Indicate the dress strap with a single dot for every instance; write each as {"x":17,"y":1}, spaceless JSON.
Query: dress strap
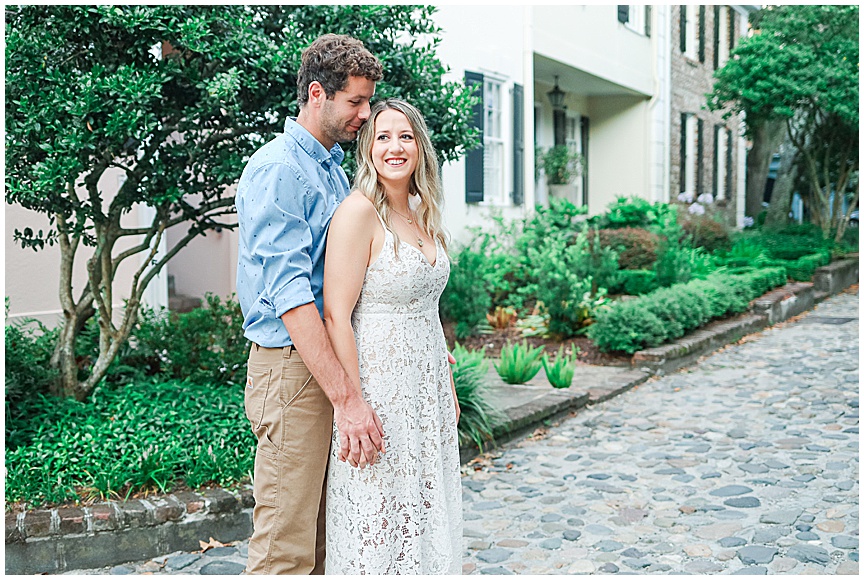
{"x":383,"y":225}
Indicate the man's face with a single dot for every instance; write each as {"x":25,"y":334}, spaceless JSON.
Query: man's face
{"x":344,"y":114}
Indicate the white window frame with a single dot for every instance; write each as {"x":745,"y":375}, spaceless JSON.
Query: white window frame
{"x":636,"y":18}
{"x":495,"y":138}
{"x":723,"y":41}
{"x":690,"y":156}
{"x":720,"y":160}
{"x":573,"y":140}
{"x":691,"y":34}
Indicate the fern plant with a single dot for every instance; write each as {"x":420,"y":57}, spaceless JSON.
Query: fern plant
{"x":560,"y":372}
{"x":469,"y":376}
{"x":519,"y":363}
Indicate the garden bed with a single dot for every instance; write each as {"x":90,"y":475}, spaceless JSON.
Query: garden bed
{"x":492,"y":343}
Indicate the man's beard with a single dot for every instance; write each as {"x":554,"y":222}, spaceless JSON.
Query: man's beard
{"x":333,"y":127}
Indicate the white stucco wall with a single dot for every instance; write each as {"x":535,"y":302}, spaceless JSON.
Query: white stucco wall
{"x":618,"y":153}
{"x":492,"y":42}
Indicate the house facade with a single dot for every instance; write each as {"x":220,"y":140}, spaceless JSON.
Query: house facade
{"x":708,"y":153}
{"x":558,"y":75}
{"x":622,"y":85}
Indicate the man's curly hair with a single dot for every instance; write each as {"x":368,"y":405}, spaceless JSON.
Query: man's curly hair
{"x":330,"y":60}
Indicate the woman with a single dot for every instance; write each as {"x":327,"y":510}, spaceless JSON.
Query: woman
{"x":401,"y":512}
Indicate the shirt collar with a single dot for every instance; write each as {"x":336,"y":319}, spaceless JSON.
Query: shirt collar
{"x":313,"y":146}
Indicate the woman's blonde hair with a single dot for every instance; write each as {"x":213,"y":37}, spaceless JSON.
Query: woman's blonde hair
{"x":425,"y":181}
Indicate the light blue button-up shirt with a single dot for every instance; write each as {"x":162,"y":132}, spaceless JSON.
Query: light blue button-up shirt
{"x":285,"y":198}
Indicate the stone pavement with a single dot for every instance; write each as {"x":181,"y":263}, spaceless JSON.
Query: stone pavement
{"x":746,"y":463}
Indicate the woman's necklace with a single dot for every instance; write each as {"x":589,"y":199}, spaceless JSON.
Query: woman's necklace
{"x":411,"y":223}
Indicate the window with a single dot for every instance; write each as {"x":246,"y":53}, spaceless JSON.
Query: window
{"x":688,"y":23}
{"x":722,"y":36}
{"x":635,"y":17}
{"x":493,"y":142}
{"x":720,"y":168}
{"x":688,"y":153}
{"x":573,"y":140}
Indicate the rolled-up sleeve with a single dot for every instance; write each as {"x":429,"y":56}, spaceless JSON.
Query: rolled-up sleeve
{"x":279,"y":235}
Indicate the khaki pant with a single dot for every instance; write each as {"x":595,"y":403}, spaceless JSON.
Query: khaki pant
{"x":293,"y":421}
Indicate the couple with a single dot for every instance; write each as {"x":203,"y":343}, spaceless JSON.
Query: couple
{"x":356,"y":415}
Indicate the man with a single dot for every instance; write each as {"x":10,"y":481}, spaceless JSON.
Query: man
{"x":296,"y":387}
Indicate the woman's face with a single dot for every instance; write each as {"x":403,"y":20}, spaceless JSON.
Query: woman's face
{"x":394,"y":150}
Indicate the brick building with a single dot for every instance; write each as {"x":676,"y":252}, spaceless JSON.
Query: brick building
{"x":707,"y":153}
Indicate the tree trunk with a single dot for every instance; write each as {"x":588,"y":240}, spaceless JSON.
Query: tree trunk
{"x":767,"y":137}
{"x":781,"y":197}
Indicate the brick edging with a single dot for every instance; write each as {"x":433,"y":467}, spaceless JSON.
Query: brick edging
{"x":59,"y":539}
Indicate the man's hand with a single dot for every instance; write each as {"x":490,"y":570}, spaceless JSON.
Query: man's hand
{"x":360,"y":432}
{"x":450,"y":358}
{"x":455,"y":400}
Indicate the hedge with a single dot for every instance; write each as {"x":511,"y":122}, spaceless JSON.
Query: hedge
{"x":668,"y":313}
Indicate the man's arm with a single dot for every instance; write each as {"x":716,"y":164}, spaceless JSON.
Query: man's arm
{"x":279,"y":236}
{"x":359,"y":426}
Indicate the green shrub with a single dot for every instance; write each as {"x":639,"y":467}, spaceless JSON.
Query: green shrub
{"x":626,"y":326}
{"x":635,"y":282}
{"x":804,"y":267}
{"x":560,"y":373}
{"x":745,"y":252}
{"x":563,"y":283}
{"x":704,"y":231}
{"x":632,"y":212}
{"x":636,"y":247}
{"x":465,"y":300}
{"x":680,"y":308}
{"x":130,"y":437}
{"x":205,"y":345}
{"x":28,"y":374}
{"x":668,"y":313}
{"x":469,"y":377}
{"x":519,"y":363}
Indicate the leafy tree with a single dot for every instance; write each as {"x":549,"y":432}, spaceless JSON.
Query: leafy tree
{"x":801,"y":67}
{"x":175,"y":98}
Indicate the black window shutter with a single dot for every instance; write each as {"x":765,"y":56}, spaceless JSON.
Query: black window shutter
{"x":728,"y":175}
{"x":732,"y":31}
{"x":584,"y":131}
{"x":518,"y":145}
{"x":715,"y":175}
{"x":623,"y":13}
{"x":702,"y":34}
{"x":648,"y":20}
{"x":474,"y":158}
{"x":699,"y":161}
{"x":716,"y":37}
{"x":683,"y":35}
{"x":683,"y":153}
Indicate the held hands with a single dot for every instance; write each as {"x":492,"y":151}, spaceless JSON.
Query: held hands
{"x":360,"y":432}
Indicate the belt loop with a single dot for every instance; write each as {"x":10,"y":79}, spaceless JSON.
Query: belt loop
{"x":287,"y":351}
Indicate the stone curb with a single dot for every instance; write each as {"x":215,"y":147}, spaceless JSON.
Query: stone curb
{"x":835,"y":277}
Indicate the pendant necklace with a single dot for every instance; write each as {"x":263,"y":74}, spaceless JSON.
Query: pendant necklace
{"x":411,"y":223}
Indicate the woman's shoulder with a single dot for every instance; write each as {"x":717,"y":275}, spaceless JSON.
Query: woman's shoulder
{"x":356,"y":206}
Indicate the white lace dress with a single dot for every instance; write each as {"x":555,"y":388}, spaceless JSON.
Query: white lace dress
{"x":402,"y":515}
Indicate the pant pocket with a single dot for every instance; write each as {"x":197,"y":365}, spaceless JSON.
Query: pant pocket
{"x":258,"y":379}
{"x":267,"y":472}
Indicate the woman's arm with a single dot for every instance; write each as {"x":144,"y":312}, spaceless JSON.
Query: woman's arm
{"x":349,"y":243}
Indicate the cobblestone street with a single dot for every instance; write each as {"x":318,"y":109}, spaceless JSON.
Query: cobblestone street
{"x":745,"y":463}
